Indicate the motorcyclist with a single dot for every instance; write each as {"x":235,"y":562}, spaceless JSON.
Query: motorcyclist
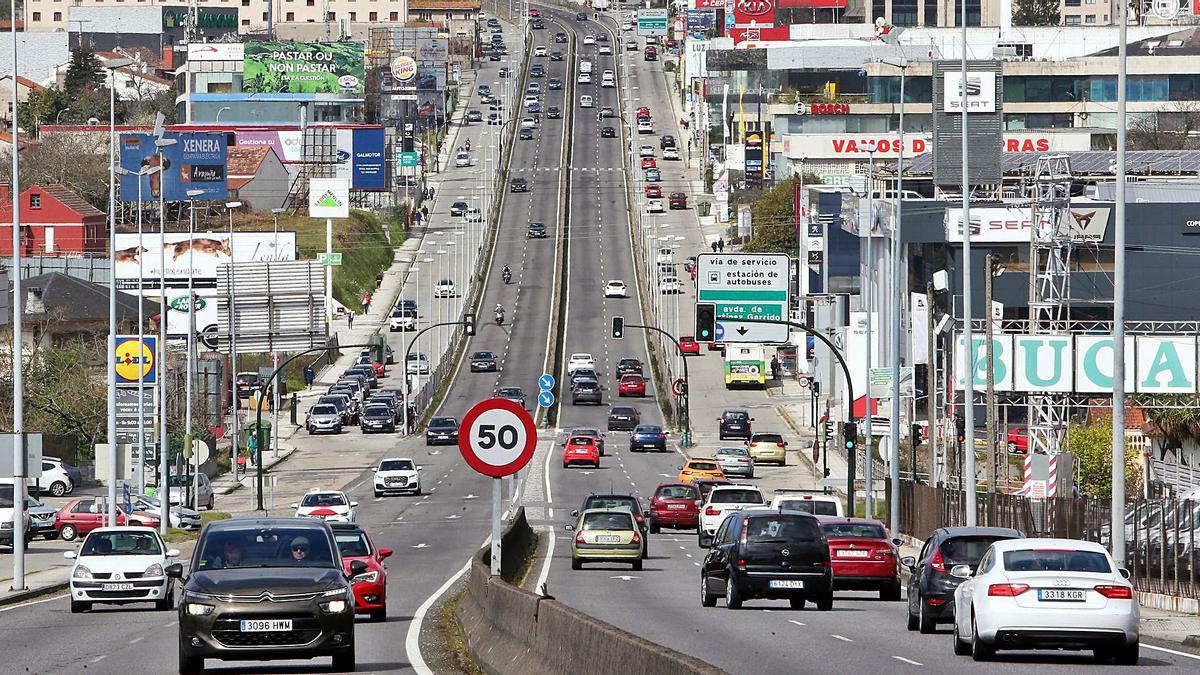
{"x":499,"y":313}
{"x":507,"y":273}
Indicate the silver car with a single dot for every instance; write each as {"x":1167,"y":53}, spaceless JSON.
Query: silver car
{"x":735,"y":461}
{"x":182,"y":517}
{"x":43,"y":519}
{"x":323,"y":418}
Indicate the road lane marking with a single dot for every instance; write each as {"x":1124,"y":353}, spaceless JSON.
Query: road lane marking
{"x":1171,"y":651}
{"x":34,"y":602}
{"x":796,"y":622}
{"x":98,"y":659}
{"x":843,"y":638}
{"x":908,"y":661}
{"x":412,"y":639}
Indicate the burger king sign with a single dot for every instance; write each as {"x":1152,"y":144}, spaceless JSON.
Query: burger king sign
{"x":404,"y":68}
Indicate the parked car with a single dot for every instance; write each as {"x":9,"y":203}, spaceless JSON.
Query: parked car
{"x":84,"y":514}
{"x":119,"y":566}
{"x":930,"y":585}
{"x":43,"y":520}
{"x":181,"y":517}
{"x":180,"y":485}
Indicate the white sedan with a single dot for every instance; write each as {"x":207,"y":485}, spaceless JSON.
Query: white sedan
{"x":646,"y":151}
{"x":120,"y":565}
{"x":462,"y":159}
{"x":589,"y":39}
{"x":540,"y":50}
{"x":473,"y":215}
{"x":397,"y":474}
{"x":605,"y":50}
{"x":654,"y":206}
{"x":616,"y":289}
{"x":580,"y":360}
{"x":444,"y":289}
{"x":1046,"y":594}
{"x":331,"y":505}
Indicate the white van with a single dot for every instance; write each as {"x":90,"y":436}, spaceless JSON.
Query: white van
{"x":608,"y":80}
{"x":585,"y":101}
{"x":7,"y":507}
{"x":585,"y":66}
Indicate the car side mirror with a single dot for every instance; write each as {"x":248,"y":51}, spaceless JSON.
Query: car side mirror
{"x":69,"y":555}
{"x":647,"y":514}
{"x":751,"y":419}
{"x":172,"y":553}
{"x":897,"y":541}
{"x":358,"y":567}
{"x":294,"y":505}
{"x":385,"y":553}
{"x":699,"y":503}
{"x":961,"y":571}
{"x":910,"y":562}
{"x":1123,"y":572}
{"x":575,"y":513}
{"x":785,"y":444}
{"x":353,"y":503}
{"x":174,"y":570}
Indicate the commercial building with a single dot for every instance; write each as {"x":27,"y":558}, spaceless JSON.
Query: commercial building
{"x":54,"y":221}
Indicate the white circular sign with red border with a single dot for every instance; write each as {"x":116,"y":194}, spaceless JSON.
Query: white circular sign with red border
{"x":497,"y":437}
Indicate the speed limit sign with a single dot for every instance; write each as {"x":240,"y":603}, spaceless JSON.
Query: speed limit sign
{"x":498,"y":437}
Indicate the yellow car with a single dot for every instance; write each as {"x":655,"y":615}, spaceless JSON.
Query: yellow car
{"x":606,"y":535}
{"x":696,"y":469}
{"x":767,"y":448}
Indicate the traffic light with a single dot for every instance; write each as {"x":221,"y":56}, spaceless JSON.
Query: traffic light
{"x":706,"y":321}
{"x":960,"y":425}
{"x":850,"y":435}
{"x":469,"y":322}
{"x":916,"y":435}
{"x":618,"y":327}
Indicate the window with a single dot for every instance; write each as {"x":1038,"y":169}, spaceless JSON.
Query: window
{"x":1071,"y":20}
{"x":354,"y":17}
{"x":904,"y":12}
{"x":374,"y":16}
{"x":394,"y":16}
{"x":245,"y":22}
{"x":1090,"y":18}
{"x":291,"y":16}
{"x":331,"y":16}
{"x":58,"y":16}
{"x":1072,"y":3}
{"x":37,"y":16}
{"x":245,"y":3}
{"x":310,"y":3}
{"x":35,"y":200}
{"x":264,"y":16}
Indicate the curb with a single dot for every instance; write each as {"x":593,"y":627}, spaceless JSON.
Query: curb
{"x":33,"y":593}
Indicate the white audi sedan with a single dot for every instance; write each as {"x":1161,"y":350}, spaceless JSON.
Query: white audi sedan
{"x":120,"y":565}
{"x":1046,"y":594}
{"x":581,"y":360}
{"x":397,"y":474}
{"x":616,"y":289}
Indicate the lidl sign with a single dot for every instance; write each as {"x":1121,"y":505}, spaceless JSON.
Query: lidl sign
{"x":136,"y":359}
{"x":1154,"y":364}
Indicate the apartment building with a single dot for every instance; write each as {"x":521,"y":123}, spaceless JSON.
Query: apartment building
{"x":253,"y":15}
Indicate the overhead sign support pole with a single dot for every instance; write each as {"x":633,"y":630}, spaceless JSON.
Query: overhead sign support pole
{"x":328,"y":198}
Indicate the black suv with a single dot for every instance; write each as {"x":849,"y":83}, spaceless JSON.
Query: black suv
{"x":536,"y":231}
{"x":734,"y":424}
{"x":628,"y":366}
{"x":377,"y":417}
{"x":608,"y":132}
{"x":266,"y":588}
{"x":483,"y":362}
{"x":458,"y":208}
{"x":930,"y":586}
{"x":442,"y":431}
{"x":764,"y":553}
{"x":615,"y":502}
{"x":518,"y":184}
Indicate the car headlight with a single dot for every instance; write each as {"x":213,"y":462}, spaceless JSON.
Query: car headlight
{"x":333,"y":606}
{"x":154,"y":570}
{"x":81,"y":572}
{"x":6,"y":525}
{"x":367,"y":578}
{"x":198,"y":609}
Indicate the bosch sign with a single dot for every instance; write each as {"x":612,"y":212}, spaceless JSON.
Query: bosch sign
{"x":822,"y":109}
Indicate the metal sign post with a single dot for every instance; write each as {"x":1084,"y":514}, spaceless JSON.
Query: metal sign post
{"x":497,"y":440}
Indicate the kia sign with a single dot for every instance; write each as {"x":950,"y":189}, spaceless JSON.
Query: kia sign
{"x":981,"y":92}
{"x":759,"y":13}
{"x":404,"y":68}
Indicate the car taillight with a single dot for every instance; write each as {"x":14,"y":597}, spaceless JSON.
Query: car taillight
{"x":637,"y":538}
{"x":741,"y":564}
{"x":1115,"y":592}
{"x":1007,"y":590}
{"x":710,"y":511}
{"x":639,"y":517}
{"x":938,"y":562}
{"x":579,"y":538}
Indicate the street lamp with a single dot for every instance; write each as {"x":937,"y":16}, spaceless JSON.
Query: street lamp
{"x":112,"y":284}
{"x":236,"y":448}
{"x":59,"y":115}
{"x":190,"y":367}
{"x":163,"y":466}
{"x":223,"y":109}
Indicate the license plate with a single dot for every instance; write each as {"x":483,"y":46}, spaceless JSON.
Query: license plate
{"x":117,"y":587}
{"x":608,"y":539}
{"x":1062,"y":595}
{"x":786,"y":583}
{"x":266,"y":625}
{"x":853,"y":554}
{"x":676,"y":507}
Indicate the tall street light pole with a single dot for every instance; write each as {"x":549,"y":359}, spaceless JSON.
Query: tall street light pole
{"x":190,"y":369}
{"x":234,"y":426}
{"x":18,"y":367}
{"x":163,"y":466}
{"x":113,"y":476}
{"x":968,"y":479}
{"x":869,"y":306}
{"x":1118,"y":426}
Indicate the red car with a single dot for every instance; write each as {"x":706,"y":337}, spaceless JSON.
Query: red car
{"x":649,"y":163}
{"x":632,"y":385}
{"x":80,"y":516}
{"x":581,"y":450}
{"x":643,"y":112}
{"x":534,"y":12}
{"x":1018,"y":442}
{"x":863,"y":556}
{"x":675,"y":505}
{"x":678,"y":200}
{"x":590,"y":432}
{"x":654,"y":190}
{"x":370,"y":587}
{"x":688,"y":345}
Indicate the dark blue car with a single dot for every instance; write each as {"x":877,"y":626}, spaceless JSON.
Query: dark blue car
{"x":647,"y":437}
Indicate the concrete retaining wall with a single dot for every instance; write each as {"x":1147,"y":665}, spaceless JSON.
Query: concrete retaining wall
{"x":512,"y":631}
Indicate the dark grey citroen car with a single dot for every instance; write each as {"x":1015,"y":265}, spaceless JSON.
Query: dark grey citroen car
{"x":263,"y":589}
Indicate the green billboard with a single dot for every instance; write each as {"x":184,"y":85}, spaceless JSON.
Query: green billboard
{"x":303,"y":68}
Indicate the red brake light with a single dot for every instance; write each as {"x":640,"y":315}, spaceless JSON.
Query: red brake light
{"x":1007,"y":590}
{"x":579,"y":538}
{"x":1115,"y":592}
{"x":938,"y":562}
{"x":741,"y":564}
{"x":710,"y":511}
{"x":637,"y":539}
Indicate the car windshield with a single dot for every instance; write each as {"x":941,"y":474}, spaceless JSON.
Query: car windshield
{"x":854,"y":530}
{"x":441,"y":422}
{"x":631,"y":378}
{"x":647,"y":429}
{"x":630,"y":362}
{"x":607,"y":521}
{"x":733,"y":452}
{"x":121,"y":543}
{"x":965,"y":550}
{"x":611,"y":502}
{"x":585,"y":432}
{"x":508,"y":391}
{"x":323,"y":499}
{"x":6,"y":496}
{"x":1056,"y":560}
{"x":815,"y":507}
{"x":396,"y":465}
{"x":735,"y":416}
{"x":265,"y":547}
{"x":781,"y":529}
{"x":324,"y":410}
{"x":702,"y":466}
{"x":482,"y":355}
{"x":736,"y":497}
{"x":675,"y":492}
{"x":377,"y":411}
{"x":623,"y":411}
{"x":352,"y":543}
{"x":582,"y":440}
{"x":767,"y":438}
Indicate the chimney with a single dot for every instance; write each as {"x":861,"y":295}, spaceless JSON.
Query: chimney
{"x":33,"y":301}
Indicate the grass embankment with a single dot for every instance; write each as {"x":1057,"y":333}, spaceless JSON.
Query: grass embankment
{"x":175,"y":536}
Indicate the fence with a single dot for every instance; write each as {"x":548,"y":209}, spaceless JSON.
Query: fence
{"x":1160,"y":534}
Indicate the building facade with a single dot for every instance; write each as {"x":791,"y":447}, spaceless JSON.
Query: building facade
{"x":54,"y":221}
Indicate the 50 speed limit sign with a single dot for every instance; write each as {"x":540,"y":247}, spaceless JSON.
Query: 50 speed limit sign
{"x":497,"y":437}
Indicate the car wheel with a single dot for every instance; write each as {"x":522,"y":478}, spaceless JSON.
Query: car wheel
{"x":912,"y":620}
{"x":707,"y":599}
{"x":58,"y":488}
{"x":825,"y":602}
{"x":67,"y":532}
{"x":212,"y":501}
{"x":637,"y":565}
{"x":344,"y":661}
{"x":960,"y":648}
{"x":733,"y":599}
{"x":654,"y":529}
{"x":79,"y":607}
{"x":564,"y":465}
{"x":576,"y":564}
{"x":890,"y":594}
{"x":189,"y":664}
{"x":1128,"y":655}
{"x":50,"y":535}
{"x":1012,"y":448}
{"x":418,"y":492}
{"x":701,"y":540}
{"x":379,"y":615}
{"x":980,"y":650}
{"x":796,"y":601}
{"x":925,"y":622}
{"x":166,"y":603}
{"x":378,"y":494}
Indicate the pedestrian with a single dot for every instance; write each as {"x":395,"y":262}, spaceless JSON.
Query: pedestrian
{"x":366,"y":303}
{"x":431,"y":193}
{"x":714,"y":247}
{"x":775,"y":367}
{"x":349,"y":318}
{"x":425,"y":213}
{"x":721,"y":244}
{"x":417,"y":217}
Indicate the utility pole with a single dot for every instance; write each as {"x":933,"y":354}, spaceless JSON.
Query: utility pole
{"x":969,"y":338}
{"x":18,"y":348}
{"x":1118,"y":427}
{"x":989,"y":330}
{"x":235,"y":450}
{"x":931,"y":380}
{"x":868,"y":284}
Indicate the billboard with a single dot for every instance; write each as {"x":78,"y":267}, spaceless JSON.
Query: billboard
{"x":701,"y":20}
{"x":981,"y":91}
{"x":431,"y":78}
{"x":1014,"y":225}
{"x":216,"y":51}
{"x":196,"y":161}
{"x":431,"y":104}
{"x":360,"y":151}
{"x":200,"y":256}
{"x":757,"y":12}
{"x":433,"y":49}
{"x":304,"y":68}
{"x":287,"y":144}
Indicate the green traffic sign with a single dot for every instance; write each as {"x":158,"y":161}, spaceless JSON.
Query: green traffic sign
{"x":409,"y":159}
{"x":750,"y":311}
{"x":330,"y":259}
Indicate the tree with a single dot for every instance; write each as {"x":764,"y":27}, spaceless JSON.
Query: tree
{"x":79,"y":162}
{"x":773,"y":218}
{"x":84,"y":73}
{"x":42,"y":107}
{"x":1171,"y":128}
{"x":1035,"y":13}
{"x":1092,"y":445}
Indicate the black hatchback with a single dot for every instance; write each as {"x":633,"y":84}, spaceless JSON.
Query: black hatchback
{"x":734,"y":424}
{"x":930,"y":586}
{"x":770,"y":554}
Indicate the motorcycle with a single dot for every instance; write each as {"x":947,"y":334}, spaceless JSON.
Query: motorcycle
{"x":507,"y":277}
{"x":499,"y":318}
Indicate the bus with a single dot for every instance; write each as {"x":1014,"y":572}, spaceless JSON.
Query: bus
{"x":745,"y":365}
